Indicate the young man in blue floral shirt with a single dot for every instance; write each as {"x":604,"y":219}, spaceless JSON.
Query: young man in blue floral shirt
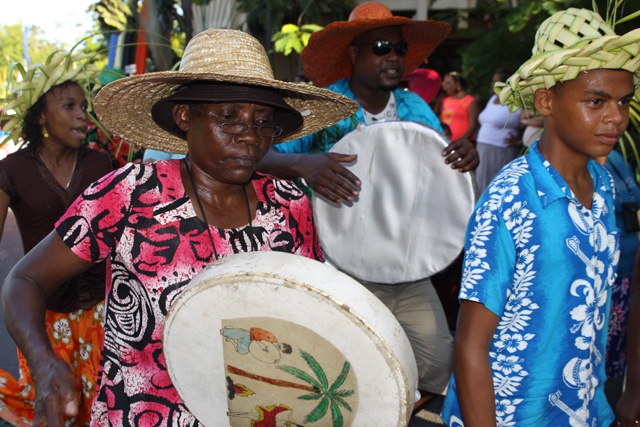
{"x":542,"y":245}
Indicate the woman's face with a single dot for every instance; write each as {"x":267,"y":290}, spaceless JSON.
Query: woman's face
{"x":225,"y":157}
{"x":65,"y":116}
{"x":449,"y":85}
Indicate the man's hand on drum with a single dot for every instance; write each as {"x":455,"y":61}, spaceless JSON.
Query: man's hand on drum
{"x":56,"y":395}
{"x":326,"y":175}
{"x":462,"y":155}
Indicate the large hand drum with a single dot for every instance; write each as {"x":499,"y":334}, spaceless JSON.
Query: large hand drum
{"x":409,"y":220}
{"x":274,"y":338}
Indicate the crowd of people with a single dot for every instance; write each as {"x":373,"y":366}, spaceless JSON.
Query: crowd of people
{"x":550,"y":278}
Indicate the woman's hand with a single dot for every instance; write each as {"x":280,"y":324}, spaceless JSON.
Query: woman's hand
{"x":32,"y":280}
{"x":56,"y":394}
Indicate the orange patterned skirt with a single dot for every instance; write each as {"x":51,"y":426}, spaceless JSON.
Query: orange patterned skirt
{"x":77,"y":339}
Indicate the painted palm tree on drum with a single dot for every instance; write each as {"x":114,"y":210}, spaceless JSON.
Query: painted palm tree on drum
{"x":331,"y":397}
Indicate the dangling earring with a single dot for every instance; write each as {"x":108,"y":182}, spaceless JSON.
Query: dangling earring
{"x":45,"y":134}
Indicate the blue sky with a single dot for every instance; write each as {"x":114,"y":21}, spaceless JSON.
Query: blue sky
{"x":63,"y":21}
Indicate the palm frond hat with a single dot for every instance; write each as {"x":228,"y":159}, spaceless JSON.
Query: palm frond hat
{"x":325,"y":57}
{"x":567,"y":43}
{"x":25,"y":86}
{"x":218,"y":65}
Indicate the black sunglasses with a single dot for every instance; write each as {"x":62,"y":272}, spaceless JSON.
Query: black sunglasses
{"x":384,"y":47}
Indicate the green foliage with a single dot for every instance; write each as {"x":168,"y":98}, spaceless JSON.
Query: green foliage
{"x":115,"y":14}
{"x":503,"y":33}
{"x":266,"y":17}
{"x":293,"y":38}
{"x":330,"y":397}
{"x":11,"y":49}
{"x":504,"y":38}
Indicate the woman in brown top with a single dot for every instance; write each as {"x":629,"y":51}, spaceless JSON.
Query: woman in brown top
{"x":38,"y":183}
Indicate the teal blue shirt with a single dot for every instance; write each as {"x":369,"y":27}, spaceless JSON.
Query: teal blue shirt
{"x":544,"y":264}
{"x":627,"y":191}
{"x":410,"y":108}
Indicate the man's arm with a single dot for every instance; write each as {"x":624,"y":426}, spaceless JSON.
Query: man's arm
{"x":471,"y":366}
{"x":628,"y":407}
{"x":323,"y":172}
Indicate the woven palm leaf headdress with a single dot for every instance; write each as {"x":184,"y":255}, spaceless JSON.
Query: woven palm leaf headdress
{"x":567,"y":43}
{"x":26,"y":86}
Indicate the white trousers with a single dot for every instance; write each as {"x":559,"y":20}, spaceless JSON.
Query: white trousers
{"x":418,"y":309}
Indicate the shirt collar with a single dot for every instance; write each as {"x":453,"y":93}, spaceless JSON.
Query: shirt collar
{"x":549,"y":182}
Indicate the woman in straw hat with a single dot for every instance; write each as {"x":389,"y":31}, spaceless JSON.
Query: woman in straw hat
{"x":542,"y":247}
{"x":39,"y":182}
{"x":159,"y":224}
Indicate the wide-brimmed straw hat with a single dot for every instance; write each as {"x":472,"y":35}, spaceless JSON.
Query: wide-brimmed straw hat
{"x":567,"y":43}
{"x":325,"y":57}
{"x":215,"y":55}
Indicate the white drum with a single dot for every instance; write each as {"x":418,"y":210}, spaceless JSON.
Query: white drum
{"x":272,"y":338}
{"x":409,"y":220}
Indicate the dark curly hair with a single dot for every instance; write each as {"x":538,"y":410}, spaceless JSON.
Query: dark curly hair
{"x":457,"y":77}
{"x":32,"y":128}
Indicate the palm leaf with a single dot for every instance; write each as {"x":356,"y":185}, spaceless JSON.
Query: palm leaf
{"x":336,"y":415}
{"x":342,"y":377}
{"x":342,"y":402}
{"x":318,"y":412}
{"x":311,"y":396}
{"x":301,"y":375}
{"x":344,"y":393}
{"x":316,"y":368}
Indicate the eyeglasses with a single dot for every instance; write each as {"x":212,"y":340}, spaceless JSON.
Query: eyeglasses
{"x":384,"y":47}
{"x":230,"y":128}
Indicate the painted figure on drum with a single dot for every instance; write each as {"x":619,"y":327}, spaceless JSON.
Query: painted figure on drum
{"x":159,"y":224}
{"x":258,"y":342}
{"x":365,"y":59}
{"x":269,"y":416}
{"x":543,"y":246}
{"x":315,"y":383}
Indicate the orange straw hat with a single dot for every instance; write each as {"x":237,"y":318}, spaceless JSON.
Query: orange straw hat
{"x":326,"y":60}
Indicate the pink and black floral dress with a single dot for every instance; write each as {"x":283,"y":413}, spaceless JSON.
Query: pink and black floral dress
{"x":141,"y":219}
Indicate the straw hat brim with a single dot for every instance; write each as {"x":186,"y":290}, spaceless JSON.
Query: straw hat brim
{"x":124,"y":106}
{"x":326,"y":60}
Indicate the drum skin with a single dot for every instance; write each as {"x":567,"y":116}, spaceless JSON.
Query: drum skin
{"x":254,"y":332}
{"x":409,"y":220}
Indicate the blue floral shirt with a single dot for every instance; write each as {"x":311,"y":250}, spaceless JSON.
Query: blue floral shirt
{"x":410,"y":108}
{"x":544,"y":263}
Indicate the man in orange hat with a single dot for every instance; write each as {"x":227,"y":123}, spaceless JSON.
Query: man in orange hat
{"x":365,"y":59}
